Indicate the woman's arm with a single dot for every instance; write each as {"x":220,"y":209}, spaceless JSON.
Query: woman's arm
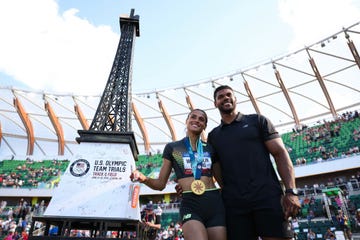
{"x":156,"y":184}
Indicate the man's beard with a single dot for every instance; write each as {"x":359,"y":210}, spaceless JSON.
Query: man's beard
{"x":226,"y":110}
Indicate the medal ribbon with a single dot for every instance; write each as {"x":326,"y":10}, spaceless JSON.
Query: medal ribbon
{"x":196,"y":163}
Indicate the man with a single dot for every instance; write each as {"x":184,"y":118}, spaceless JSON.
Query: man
{"x":151,"y":221}
{"x":255,"y":203}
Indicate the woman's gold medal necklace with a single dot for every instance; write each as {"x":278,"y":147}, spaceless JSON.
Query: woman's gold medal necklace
{"x":197,"y":186}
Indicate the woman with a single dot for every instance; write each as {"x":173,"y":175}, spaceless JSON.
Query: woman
{"x":202,"y":211}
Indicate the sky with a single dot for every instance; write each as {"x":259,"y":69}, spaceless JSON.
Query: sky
{"x":68,"y":46}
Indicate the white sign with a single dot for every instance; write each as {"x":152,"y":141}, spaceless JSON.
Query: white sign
{"x":96,"y":184}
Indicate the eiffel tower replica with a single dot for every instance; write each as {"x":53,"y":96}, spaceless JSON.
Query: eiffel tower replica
{"x":112,"y":120}
{"x":95,"y":194}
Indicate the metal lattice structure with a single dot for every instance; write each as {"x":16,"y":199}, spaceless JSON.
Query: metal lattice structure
{"x":114,"y":110}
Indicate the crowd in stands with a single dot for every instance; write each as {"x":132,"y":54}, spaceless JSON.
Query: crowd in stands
{"x":317,"y":208}
{"x":30,"y":173}
{"x":15,"y":220}
{"x":320,"y":140}
{"x":150,"y":165}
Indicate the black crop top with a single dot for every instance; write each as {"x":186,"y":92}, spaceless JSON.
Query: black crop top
{"x":177,"y":153}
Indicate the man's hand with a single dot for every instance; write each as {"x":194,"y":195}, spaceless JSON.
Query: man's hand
{"x":291,"y":205}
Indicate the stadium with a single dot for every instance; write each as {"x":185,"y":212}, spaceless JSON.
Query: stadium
{"x":311,"y":95}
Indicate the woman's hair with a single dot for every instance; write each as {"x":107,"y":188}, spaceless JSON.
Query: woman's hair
{"x":197,"y":109}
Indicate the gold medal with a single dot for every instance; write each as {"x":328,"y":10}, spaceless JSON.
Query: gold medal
{"x":198,"y":187}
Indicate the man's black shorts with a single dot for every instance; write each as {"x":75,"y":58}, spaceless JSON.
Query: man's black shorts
{"x":261,"y":218}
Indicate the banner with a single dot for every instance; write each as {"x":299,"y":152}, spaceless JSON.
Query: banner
{"x":96,"y":184}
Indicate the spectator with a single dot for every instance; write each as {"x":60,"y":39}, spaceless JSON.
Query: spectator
{"x":11,"y":235}
{"x":311,"y":235}
{"x":171,"y":231}
{"x":151,"y":221}
{"x":24,"y":235}
{"x":54,"y":231}
{"x":158,"y":211}
{"x":357,"y":219}
{"x":329,"y":235}
{"x":344,"y":224}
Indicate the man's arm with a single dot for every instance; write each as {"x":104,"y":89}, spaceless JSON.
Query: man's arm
{"x":285,"y":169}
{"x":153,"y":225}
{"x":283,"y":162}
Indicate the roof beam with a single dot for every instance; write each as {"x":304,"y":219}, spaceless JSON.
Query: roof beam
{"x":251,"y":96}
{"x":322,"y":84}
{"x":58,"y":128}
{"x":140,"y":122}
{"x":287,"y":96}
{"x":354,"y":52}
{"x":167,"y":120}
{"x":1,"y":134}
{"x":28,"y":126}
{"x":84,"y":123}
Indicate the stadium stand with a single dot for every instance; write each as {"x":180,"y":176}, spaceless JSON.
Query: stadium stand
{"x":312,"y":215}
{"x":31,"y":174}
{"x":329,"y":140}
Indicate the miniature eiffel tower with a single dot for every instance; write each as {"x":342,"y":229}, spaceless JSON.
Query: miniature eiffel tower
{"x":96,"y":189}
{"x":112,"y":120}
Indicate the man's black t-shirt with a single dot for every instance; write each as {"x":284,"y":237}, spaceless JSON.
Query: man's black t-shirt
{"x":247,"y":170}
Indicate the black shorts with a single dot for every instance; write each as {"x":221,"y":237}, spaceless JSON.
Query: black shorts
{"x":207,"y":208}
{"x":261,"y":218}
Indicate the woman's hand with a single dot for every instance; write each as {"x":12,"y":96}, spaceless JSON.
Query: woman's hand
{"x":137,"y":176}
{"x":178,"y":189}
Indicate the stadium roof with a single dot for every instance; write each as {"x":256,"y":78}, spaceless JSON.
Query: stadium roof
{"x":317,"y":82}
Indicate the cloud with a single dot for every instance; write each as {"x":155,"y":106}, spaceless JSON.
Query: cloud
{"x":313,"y":20}
{"x":54,"y":51}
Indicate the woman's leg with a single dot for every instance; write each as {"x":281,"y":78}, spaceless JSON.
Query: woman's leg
{"x":216,"y":233}
{"x":194,"y":230}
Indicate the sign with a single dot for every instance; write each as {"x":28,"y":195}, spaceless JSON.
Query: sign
{"x":97,"y":184}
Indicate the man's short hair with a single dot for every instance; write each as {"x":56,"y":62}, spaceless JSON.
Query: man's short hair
{"x":221,"y":88}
